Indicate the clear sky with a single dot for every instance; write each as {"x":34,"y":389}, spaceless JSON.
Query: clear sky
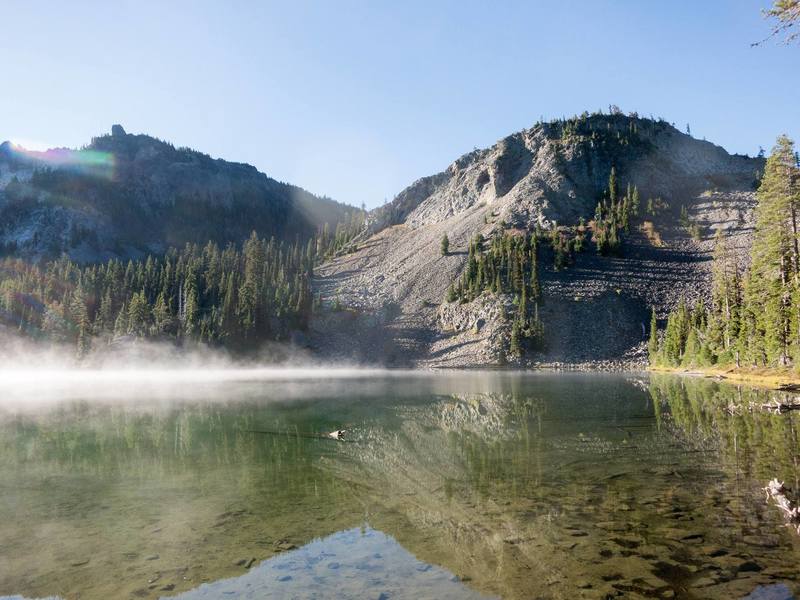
{"x":358,"y":99}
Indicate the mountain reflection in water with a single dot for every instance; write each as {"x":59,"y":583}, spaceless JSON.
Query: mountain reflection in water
{"x":356,"y":563}
{"x":493,"y":484}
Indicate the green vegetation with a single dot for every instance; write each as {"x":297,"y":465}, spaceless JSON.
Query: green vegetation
{"x":753,"y":319}
{"x":604,"y":137}
{"x":238,"y":297}
{"x":507,"y":266}
{"x":329,"y":244}
{"x":652,"y":343}
{"x":565,"y":243}
{"x":613,"y":216}
{"x":692,"y":228}
{"x":445,"y":245}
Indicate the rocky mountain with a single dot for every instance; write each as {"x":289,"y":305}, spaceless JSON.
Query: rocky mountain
{"x":126,"y":195}
{"x":386,"y":297}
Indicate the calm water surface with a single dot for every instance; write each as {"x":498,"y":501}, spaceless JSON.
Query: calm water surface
{"x":466,"y":485}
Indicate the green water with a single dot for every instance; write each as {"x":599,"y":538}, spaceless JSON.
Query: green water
{"x":464,"y":485}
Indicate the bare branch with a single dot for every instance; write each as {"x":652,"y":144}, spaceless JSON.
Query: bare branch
{"x":787,"y":15}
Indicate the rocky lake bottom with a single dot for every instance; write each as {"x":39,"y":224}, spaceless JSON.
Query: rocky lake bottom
{"x":446,"y":485}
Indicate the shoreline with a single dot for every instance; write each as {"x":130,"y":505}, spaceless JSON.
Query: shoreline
{"x":783,"y":379}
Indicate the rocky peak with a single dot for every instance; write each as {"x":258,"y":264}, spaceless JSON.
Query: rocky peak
{"x":556,"y":171}
{"x":552,"y":173}
{"x":117,"y":131}
{"x":6,"y":150}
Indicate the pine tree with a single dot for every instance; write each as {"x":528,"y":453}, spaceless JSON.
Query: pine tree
{"x":104,"y":318}
{"x":652,"y":344}
{"x":445,"y":245}
{"x":194,"y":286}
{"x":522,"y":310}
{"x":515,"y":346}
{"x":755,"y":320}
{"x":691,"y":349}
{"x":774,"y":262}
{"x":161,"y":315}
{"x":80,"y":318}
{"x":612,"y":186}
{"x":724,"y":294}
{"x":121,"y":322}
{"x":138,"y":315}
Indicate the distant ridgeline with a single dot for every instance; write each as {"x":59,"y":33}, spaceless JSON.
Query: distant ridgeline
{"x":125,"y":196}
{"x":753,"y":318}
{"x":239,"y":296}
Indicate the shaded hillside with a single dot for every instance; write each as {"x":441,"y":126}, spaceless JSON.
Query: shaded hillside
{"x":550,"y":177}
{"x":126,"y":195}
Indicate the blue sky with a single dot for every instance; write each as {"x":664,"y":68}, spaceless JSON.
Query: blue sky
{"x":358,"y":99}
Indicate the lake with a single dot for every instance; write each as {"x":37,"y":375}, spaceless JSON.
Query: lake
{"x":446,"y":485}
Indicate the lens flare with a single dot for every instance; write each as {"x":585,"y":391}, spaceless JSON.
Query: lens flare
{"x":88,"y":162}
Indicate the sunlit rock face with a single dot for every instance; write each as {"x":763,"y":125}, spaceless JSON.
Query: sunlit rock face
{"x":481,"y":324}
{"x":552,"y":172}
{"x":551,"y":175}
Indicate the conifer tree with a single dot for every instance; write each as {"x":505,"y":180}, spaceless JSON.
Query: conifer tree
{"x":691,"y":349}
{"x":121,"y":322}
{"x":138,"y":315}
{"x":754,"y":320}
{"x":515,"y":346}
{"x":612,"y":185}
{"x":652,"y":344}
{"x":522,"y":310}
{"x":161,"y":315}
{"x":774,"y":263}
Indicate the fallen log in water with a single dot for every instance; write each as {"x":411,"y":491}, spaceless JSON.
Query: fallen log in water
{"x":779,"y":493}
{"x":773,"y":407}
{"x":337,"y":435}
{"x":780,"y":407}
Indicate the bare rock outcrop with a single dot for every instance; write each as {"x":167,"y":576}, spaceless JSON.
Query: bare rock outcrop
{"x":481,"y":325}
{"x":554,"y":173}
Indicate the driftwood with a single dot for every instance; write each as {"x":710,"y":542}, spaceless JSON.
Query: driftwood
{"x":780,"y":407}
{"x":779,"y":493}
{"x":337,"y":435}
{"x":774,"y":407}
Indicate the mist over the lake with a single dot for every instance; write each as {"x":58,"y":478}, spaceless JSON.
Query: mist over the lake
{"x":393,"y":301}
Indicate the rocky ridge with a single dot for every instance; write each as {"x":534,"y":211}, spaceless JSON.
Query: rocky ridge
{"x":388,"y":293}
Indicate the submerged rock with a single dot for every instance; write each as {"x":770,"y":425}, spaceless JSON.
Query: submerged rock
{"x":79,"y":563}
